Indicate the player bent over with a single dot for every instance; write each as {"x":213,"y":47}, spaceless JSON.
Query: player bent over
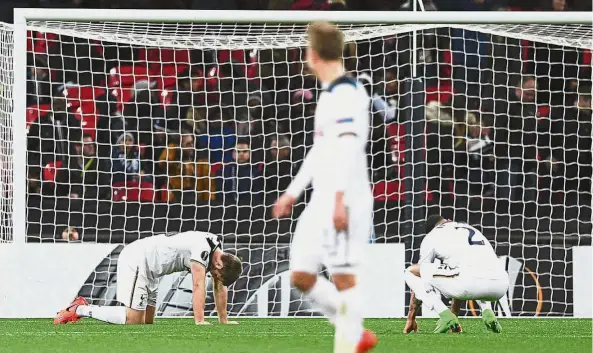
{"x":140,"y":267}
{"x":337,"y":222}
{"x":468,"y":269}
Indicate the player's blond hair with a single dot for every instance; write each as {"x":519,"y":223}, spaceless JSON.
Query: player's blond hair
{"x":326,"y":40}
{"x":231,"y":269}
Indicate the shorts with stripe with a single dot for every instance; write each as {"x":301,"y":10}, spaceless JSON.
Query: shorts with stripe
{"x":464,"y":283}
{"x":316,"y":242}
{"x":135,"y":288}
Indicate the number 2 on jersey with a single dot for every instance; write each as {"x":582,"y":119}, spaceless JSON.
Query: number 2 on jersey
{"x":470,"y":236}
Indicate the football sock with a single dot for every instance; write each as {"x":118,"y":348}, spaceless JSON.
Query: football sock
{"x":484,"y":305}
{"x":325,"y":296}
{"x":111,"y":314}
{"x":349,"y":321}
{"x":429,"y":296}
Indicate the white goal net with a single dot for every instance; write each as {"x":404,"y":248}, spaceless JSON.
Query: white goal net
{"x":135,"y":129}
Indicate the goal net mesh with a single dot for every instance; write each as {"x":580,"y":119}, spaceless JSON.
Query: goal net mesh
{"x":136,"y":129}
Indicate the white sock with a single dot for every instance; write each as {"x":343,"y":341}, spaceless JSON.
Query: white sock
{"x":428,"y":295}
{"x":325,"y":295}
{"x":484,"y":305}
{"x":349,"y":321}
{"x":111,"y":314}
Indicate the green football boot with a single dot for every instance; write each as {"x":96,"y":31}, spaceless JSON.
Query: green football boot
{"x":490,"y":321}
{"x":448,"y":321}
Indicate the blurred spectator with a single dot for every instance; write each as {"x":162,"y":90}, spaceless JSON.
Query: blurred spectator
{"x":125,"y":159}
{"x":240,"y":182}
{"x":279,"y":168}
{"x":188,"y":171}
{"x":219,"y":136}
{"x":40,"y":88}
{"x":70,"y":234}
{"x":515,"y":119}
{"x":449,"y":126}
{"x":85,"y":175}
{"x":565,"y":150}
{"x":48,"y":135}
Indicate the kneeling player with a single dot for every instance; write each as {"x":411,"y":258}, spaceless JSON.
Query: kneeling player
{"x":468,"y":269}
{"x":142,"y":264}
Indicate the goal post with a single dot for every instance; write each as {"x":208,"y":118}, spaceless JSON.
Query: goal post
{"x":435,"y":79}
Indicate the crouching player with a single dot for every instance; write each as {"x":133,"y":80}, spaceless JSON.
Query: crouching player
{"x":140,"y":267}
{"x":468,"y":268}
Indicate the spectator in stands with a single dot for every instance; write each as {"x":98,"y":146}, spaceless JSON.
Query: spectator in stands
{"x":85,"y":176}
{"x":40,"y":88}
{"x":70,"y":234}
{"x":565,"y":150}
{"x":47,"y":136}
{"x":188,"y":171}
{"x":220,"y":137}
{"x":279,"y":168}
{"x":515,"y":122}
{"x":125,"y":159}
{"x":240,"y":182}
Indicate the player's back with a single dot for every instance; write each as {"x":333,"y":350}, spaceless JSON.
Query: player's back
{"x":463,"y":246}
{"x":167,"y":254}
{"x":343,"y":108}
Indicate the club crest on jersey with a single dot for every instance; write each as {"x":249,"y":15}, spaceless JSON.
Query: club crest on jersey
{"x":204,"y":255}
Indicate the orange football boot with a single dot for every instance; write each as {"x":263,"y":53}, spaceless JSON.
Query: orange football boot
{"x":69,"y":315}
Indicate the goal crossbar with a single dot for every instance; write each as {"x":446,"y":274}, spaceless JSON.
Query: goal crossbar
{"x":349,"y":17}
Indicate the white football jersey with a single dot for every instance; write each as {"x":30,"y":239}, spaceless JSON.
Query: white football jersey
{"x":462,"y":246}
{"x":343,"y":107}
{"x":167,"y":254}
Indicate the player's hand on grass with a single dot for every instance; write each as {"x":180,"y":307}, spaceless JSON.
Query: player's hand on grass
{"x":411,"y":326}
{"x":205,"y":323}
{"x":283,"y":206}
{"x":340,"y":217}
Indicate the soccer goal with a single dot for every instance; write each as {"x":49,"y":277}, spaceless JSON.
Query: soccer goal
{"x":116,"y":125}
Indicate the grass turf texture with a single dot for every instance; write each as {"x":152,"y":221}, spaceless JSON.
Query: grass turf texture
{"x":289,"y":336}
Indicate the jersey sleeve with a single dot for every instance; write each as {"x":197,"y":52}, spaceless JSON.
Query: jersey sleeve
{"x":427,"y":253}
{"x":203,"y":249}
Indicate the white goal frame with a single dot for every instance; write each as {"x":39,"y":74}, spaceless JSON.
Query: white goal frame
{"x":24,"y":272}
{"x":21,"y":16}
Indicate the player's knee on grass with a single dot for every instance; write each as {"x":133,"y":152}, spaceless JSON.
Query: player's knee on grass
{"x":303,"y":281}
{"x":134,"y":317}
{"x":344,"y":281}
{"x":414,"y":269}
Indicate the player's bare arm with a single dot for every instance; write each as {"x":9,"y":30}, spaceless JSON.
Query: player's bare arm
{"x":411,"y":324}
{"x":198,"y":272}
{"x":220,"y":299}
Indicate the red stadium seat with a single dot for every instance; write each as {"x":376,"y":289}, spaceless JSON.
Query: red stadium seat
{"x":127,"y":76}
{"x":49,"y":171}
{"x":79,"y":95}
{"x":35,"y":112}
{"x":133,"y":191}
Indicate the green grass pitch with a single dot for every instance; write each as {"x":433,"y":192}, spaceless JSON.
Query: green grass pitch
{"x":289,"y":336}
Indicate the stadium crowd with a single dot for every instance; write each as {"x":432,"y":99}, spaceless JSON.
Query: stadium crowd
{"x":508,"y":121}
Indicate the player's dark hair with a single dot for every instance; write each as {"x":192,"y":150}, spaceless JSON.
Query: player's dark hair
{"x":432,"y":222}
{"x":231,"y":269}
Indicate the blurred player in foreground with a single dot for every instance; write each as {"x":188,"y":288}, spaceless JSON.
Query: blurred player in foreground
{"x":140,"y":267}
{"x":337,"y":222}
{"x":468,"y":268}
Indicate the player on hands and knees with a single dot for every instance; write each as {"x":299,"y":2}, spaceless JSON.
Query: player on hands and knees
{"x":467,"y":268}
{"x":337,"y":221}
{"x":140,"y":267}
